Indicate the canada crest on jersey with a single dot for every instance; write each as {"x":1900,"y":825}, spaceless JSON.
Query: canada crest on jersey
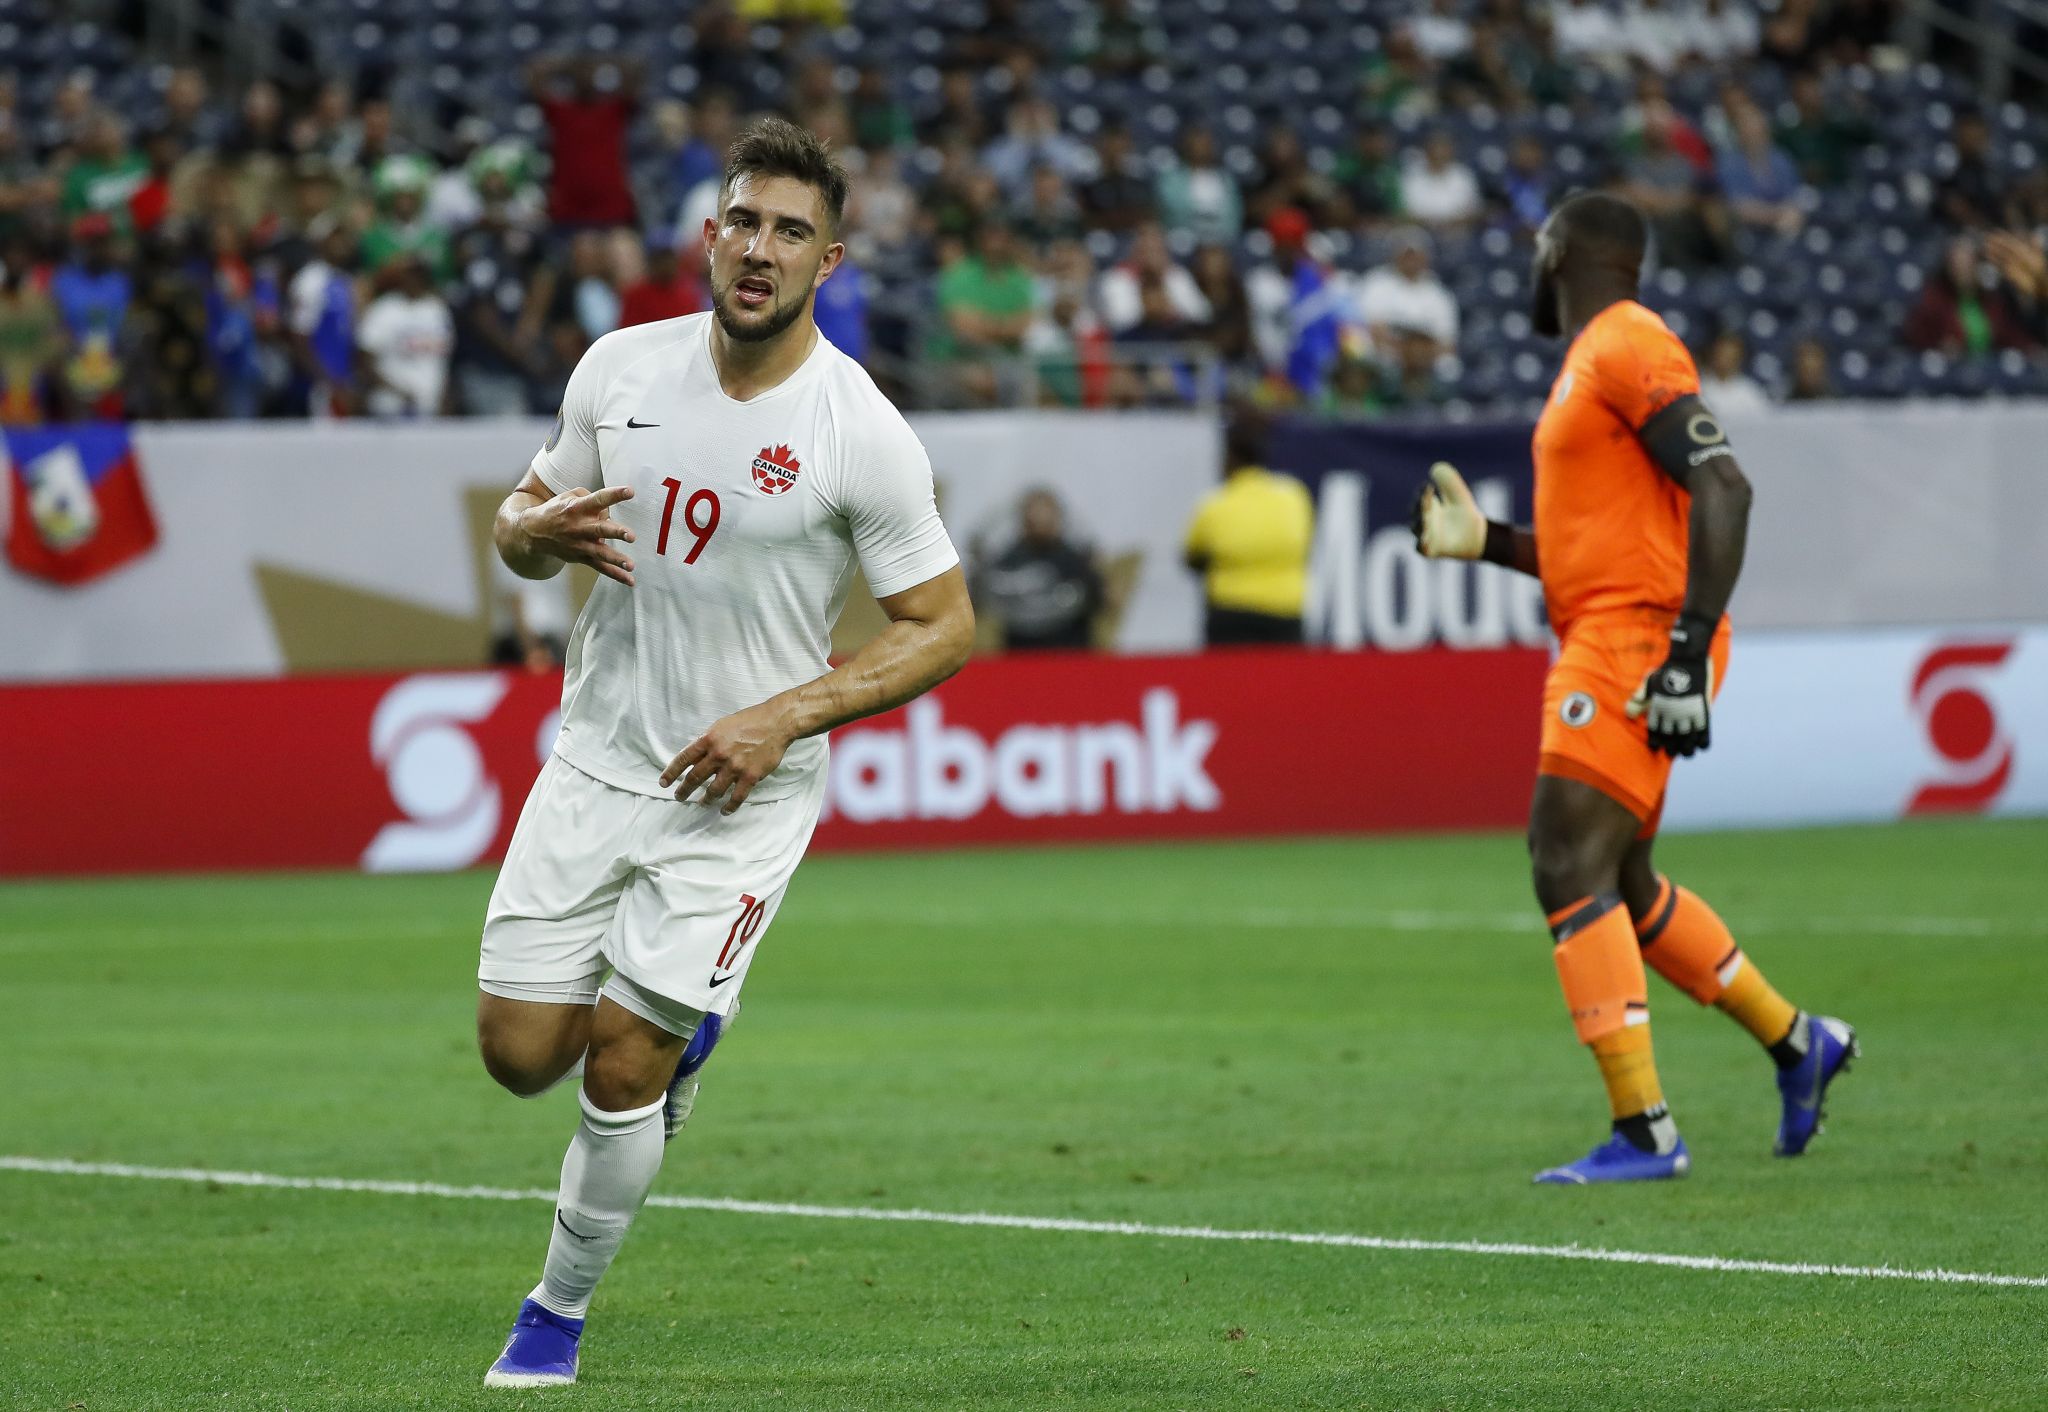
{"x":775,"y":469}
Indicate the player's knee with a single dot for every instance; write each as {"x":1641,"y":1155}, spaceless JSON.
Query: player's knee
{"x":618,"y":1077}
{"x":1565,"y":869}
{"x":520,"y":1068}
{"x":1640,"y":889}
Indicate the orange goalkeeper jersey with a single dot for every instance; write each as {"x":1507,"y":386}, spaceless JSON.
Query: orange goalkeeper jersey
{"x":1611,"y":528}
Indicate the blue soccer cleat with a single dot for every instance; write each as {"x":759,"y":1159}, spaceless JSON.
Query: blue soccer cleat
{"x":541,"y":1351}
{"x":1831,"y":1044}
{"x":682,"y":1089}
{"x":1619,"y":1160}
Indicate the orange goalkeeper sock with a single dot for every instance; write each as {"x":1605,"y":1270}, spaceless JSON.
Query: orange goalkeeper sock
{"x":1753,"y":1004}
{"x":1688,"y":945}
{"x":1629,"y":1070}
{"x":1601,"y":969}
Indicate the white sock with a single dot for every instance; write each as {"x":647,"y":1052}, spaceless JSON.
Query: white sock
{"x":606,"y":1176}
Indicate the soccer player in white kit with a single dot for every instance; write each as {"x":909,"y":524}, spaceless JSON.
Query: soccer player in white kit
{"x":749,"y":464}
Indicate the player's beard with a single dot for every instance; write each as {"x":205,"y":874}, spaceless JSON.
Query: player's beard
{"x":739,"y":330}
{"x":1543,"y":312}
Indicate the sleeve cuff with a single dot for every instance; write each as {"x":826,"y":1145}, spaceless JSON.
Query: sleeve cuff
{"x":548,"y":476}
{"x":922,"y":571}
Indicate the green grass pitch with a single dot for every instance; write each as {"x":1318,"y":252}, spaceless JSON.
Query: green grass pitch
{"x":1359,"y":1036}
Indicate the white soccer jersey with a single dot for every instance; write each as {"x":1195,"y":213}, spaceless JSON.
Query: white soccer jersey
{"x":747,"y":518}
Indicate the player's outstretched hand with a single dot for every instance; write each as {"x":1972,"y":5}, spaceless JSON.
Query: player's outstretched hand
{"x":1446,"y":519}
{"x":1674,"y":700}
{"x":577,"y":528}
{"x":727,"y":761}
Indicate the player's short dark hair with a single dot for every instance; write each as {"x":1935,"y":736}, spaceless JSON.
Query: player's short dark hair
{"x":1606,"y":228}
{"x":777,"y":147}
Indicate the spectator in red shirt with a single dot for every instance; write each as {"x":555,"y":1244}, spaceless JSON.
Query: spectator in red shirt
{"x":150,"y":202}
{"x":666,"y":291}
{"x":587,"y":124}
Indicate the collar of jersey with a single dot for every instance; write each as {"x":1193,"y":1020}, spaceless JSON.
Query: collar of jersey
{"x":802,"y":371}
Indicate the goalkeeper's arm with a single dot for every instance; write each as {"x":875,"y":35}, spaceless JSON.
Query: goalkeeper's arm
{"x":1448,"y":525}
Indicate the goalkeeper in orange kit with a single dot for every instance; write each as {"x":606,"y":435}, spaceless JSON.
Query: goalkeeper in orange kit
{"x":1641,"y":516}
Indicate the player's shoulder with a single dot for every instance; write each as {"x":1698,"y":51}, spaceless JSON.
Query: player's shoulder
{"x":1632,"y":328}
{"x":861,"y":413}
{"x":620,"y":349}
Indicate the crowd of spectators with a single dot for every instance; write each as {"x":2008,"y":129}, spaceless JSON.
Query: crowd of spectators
{"x":321,"y":253}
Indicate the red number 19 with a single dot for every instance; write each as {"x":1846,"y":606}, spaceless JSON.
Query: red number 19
{"x":702,"y":528}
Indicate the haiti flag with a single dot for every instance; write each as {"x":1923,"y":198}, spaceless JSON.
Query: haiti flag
{"x":77,"y":508}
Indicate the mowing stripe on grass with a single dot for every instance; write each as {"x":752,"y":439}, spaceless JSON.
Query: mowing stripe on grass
{"x":57,"y":1166}
{"x":1109,"y":915}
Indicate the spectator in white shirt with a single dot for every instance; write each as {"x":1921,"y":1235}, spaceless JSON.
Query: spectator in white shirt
{"x":406,"y":338}
{"x":1724,"y":30}
{"x":880,"y":211}
{"x":1197,"y":194}
{"x":1724,"y":386}
{"x":1032,"y":138}
{"x":1439,"y":190}
{"x":1657,"y":34}
{"x":1120,"y":294}
{"x":1587,"y":29}
{"x":1441,"y":32}
{"x":1404,"y":297}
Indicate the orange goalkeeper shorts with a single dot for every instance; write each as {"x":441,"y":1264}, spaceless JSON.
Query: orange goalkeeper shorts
{"x":1587,"y":733}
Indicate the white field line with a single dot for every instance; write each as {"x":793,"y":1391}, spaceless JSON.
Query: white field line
{"x":1714,"y":1263}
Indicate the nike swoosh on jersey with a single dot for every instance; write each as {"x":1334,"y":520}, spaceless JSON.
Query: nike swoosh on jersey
{"x":717,"y":981}
{"x":632,"y":425}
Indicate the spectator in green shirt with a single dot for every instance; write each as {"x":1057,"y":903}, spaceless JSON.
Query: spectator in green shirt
{"x":1823,"y":138}
{"x":1370,"y":174}
{"x":1355,"y":390}
{"x":880,"y":118}
{"x":985,"y":305}
{"x":106,"y":173}
{"x":401,"y":227}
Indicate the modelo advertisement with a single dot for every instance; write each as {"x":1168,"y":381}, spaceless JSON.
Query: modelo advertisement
{"x":1367,"y":585}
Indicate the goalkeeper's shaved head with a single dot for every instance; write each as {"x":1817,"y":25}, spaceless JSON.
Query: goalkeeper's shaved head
{"x":1599,"y":229}
{"x":1592,"y":245}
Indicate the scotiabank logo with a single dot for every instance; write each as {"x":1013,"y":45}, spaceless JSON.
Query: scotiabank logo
{"x":1962,"y":725}
{"x":435,"y":771}
{"x":932,"y":770}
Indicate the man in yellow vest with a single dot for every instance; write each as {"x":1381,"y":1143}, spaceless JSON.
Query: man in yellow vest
{"x":1250,"y":542}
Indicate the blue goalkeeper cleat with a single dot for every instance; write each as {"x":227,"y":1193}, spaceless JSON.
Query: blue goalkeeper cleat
{"x":541,"y":1351}
{"x":1831,"y":1044}
{"x":1619,"y":1160}
{"x":682,"y":1089}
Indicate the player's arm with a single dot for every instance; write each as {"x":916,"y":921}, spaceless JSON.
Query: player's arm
{"x":1688,"y":445}
{"x":1447,"y":525}
{"x":552,"y":518}
{"x":929,"y":637}
{"x":537,"y":531}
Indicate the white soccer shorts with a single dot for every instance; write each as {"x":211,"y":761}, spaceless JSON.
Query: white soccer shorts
{"x":673,"y":897}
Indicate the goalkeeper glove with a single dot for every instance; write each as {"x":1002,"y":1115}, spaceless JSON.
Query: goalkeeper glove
{"x":1673,"y":700}
{"x":1446,"y":518}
